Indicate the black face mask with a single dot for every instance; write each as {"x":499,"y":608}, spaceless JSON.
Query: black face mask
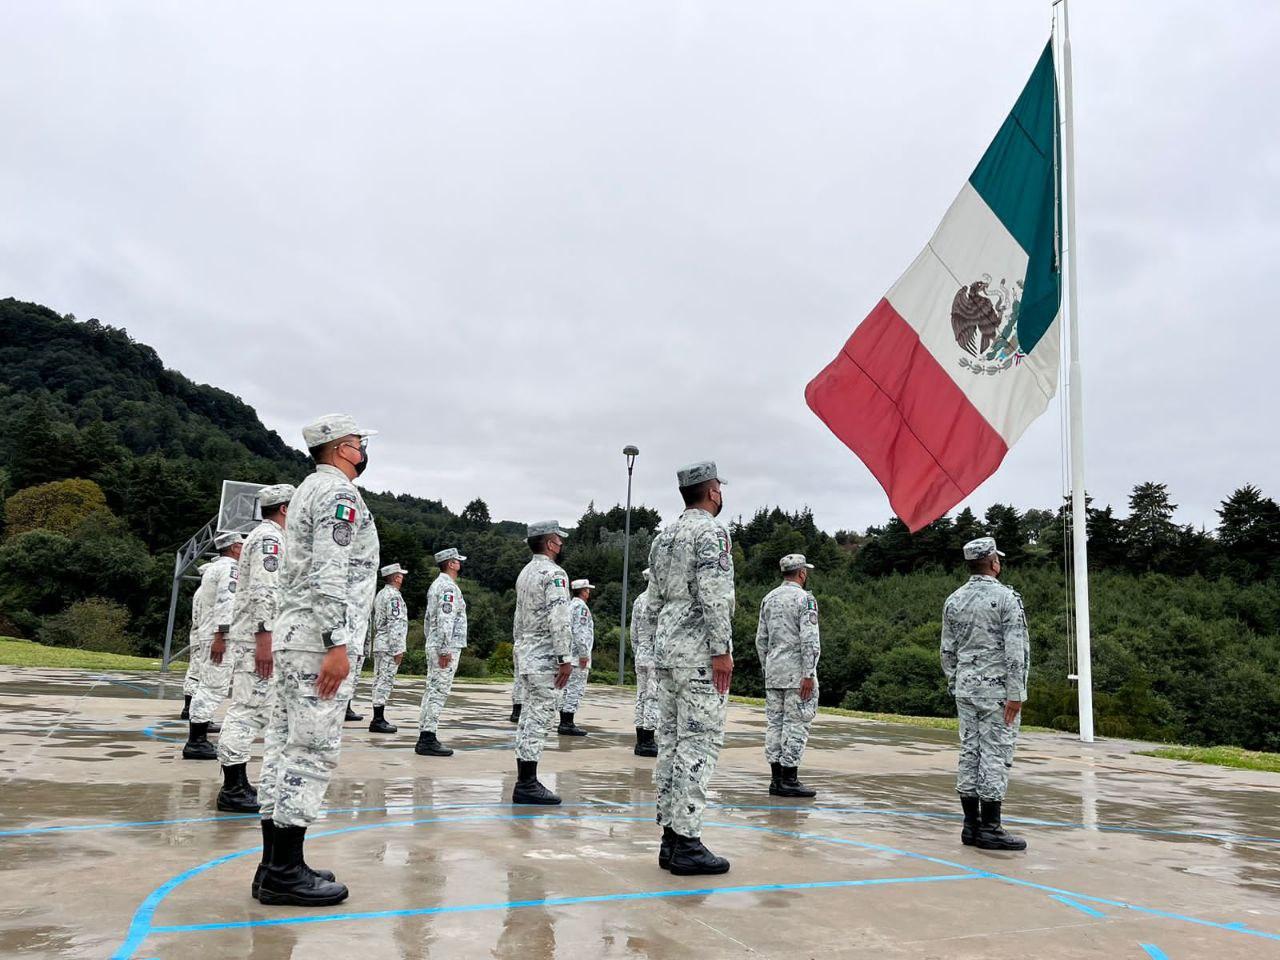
{"x":719,"y":506}
{"x":364,"y":461}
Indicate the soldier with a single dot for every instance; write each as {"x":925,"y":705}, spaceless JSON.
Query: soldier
{"x":642,"y":626}
{"x":583,"y":629}
{"x":390,"y":627}
{"x":517,"y":688}
{"x":788,"y":646}
{"x":252,"y":620}
{"x":218,"y":583}
{"x":691,"y":595}
{"x":191,"y":682}
{"x":543,"y":643}
{"x":327,"y":582}
{"x":445,"y":633}
{"x":986,"y":655}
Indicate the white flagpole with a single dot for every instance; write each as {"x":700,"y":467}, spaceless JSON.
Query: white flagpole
{"x":1079,"y":540}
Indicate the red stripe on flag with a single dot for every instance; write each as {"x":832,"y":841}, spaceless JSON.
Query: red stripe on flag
{"x":891,"y":403}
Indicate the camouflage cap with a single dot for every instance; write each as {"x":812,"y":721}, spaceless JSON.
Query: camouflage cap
{"x":275,"y":494}
{"x":450,"y":553}
{"x":332,"y":426}
{"x":698,"y":472}
{"x":224,"y":540}
{"x":577,"y":585}
{"x":794,"y":561}
{"x":391,"y":569}
{"x":980,"y":548}
{"x":542,"y":527}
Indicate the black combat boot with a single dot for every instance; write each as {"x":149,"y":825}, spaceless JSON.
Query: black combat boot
{"x":215,"y":726}
{"x":352,"y":716}
{"x":186,"y":708}
{"x":236,"y":795}
{"x":528,"y":789}
{"x":515,"y":712}
{"x":790,"y":785}
{"x":666,"y":848}
{"x":690,"y":858}
{"x":991,"y":835}
{"x":775,"y":779}
{"x":268,"y":837}
{"x":379,"y":722}
{"x":198,"y":746}
{"x":972,"y":820}
{"x":288,"y":880}
{"x":429,"y":746}
{"x":568,"y":728}
{"x":645,"y":747}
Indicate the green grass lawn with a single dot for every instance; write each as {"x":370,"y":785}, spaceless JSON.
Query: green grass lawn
{"x":1220,"y":756}
{"x":25,"y":653}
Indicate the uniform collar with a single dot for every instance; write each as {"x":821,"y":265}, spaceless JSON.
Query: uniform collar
{"x":694,"y":510}
{"x":274,"y":524}
{"x":792,"y":583}
{"x":983,"y":576}
{"x":331,"y":469}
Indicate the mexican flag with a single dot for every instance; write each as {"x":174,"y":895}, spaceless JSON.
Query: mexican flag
{"x":953,"y":364}
{"x":343,"y":512}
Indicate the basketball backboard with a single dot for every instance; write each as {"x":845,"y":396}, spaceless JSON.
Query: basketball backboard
{"x":238,"y":512}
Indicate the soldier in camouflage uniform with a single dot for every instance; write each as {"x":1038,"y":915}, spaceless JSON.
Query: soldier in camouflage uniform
{"x":646,"y":714}
{"x":327,"y":583}
{"x":191,"y":682}
{"x":543,"y":643}
{"x":986,"y":655}
{"x":252,"y":620}
{"x":788,"y":646}
{"x":445,"y":634}
{"x":583,"y":628}
{"x":215,"y":666}
{"x":692,"y":598}
{"x":390,"y":627}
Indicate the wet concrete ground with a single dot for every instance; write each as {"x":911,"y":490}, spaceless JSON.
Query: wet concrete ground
{"x":110,"y":845}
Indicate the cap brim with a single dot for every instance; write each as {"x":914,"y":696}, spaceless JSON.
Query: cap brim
{"x":999,"y":553}
{"x":460,"y":558}
{"x":366,"y":433}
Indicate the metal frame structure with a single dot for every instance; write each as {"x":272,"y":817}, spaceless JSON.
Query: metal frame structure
{"x":630,"y":452}
{"x":188,"y":555}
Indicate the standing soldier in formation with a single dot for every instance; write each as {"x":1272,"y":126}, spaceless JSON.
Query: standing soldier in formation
{"x":390,"y":627}
{"x":691,"y":594}
{"x":326,"y":591}
{"x":517,"y":688}
{"x":788,"y":645}
{"x":543,"y":643}
{"x":583,"y":629}
{"x":191,"y":682}
{"x":252,"y":620}
{"x":445,"y":633}
{"x":642,"y":626}
{"x":986,"y":655}
{"x":218,"y":583}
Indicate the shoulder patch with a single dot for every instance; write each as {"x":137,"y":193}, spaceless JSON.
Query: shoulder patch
{"x":342,"y":534}
{"x":270,"y":563}
{"x":270,"y":546}
{"x":345,"y":513}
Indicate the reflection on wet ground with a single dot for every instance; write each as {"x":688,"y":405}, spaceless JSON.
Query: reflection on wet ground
{"x":1173,"y":855}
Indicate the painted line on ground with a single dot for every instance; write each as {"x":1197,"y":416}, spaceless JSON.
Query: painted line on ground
{"x":1079,"y":906}
{"x":1154,"y":952}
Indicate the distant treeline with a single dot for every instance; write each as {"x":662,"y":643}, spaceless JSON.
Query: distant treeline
{"x":109,"y":461}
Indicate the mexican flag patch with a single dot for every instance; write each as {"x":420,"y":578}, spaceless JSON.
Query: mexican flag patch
{"x":271,"y":547}
{"x":345,"y":513}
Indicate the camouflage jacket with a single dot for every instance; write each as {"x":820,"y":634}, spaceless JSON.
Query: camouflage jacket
{"x":583,"y":628}
{"x":445,"y":626}
{"x":218,"y":585}
{"x":390,"y":621}
{"x":199,"y":602}
{"x":691,"y":592}
{"x":642,"y":627}
{"x":985,"y":650}
{"x":787,"y":636}
{"x":541,"y":632}
{"x":330,"y":569}
{"x":258,"y":590}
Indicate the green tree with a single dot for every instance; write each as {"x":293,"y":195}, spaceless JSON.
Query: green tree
{"x":60,"y":506}
{"x":1249,"y":532}
{"x":1150,"y":533}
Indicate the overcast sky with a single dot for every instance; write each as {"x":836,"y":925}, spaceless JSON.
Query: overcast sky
{"x":515,"y":236}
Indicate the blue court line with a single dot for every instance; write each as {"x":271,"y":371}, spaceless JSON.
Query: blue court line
{"x":126,"y":683}
{"x":1154,"y":952}
{"x":561,"y":902}
{"x":1079,"y":906}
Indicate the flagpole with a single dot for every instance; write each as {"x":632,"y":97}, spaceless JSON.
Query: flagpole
{"x":1079,"y":539}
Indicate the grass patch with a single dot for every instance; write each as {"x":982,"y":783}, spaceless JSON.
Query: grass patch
{"x":1236,"y":757}
{"x":930,"y":723}
{"x":27,"y":653}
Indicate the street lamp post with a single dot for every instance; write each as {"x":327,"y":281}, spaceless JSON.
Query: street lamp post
{"x":630,"y":452}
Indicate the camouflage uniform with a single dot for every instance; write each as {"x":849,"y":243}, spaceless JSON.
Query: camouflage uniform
{"x":257,"y":596}
{"x":195,"y":645}
{"x":327,"y":584}
{"x":583,"y":628}
{"x":390,"y":627}
{"x":543,"y":641}
{"x":788,"y":646}
{"x":445,"y":630}
{"x":215,"y":678}
{"x":642,"y":626}
{"x":986,"y":655}
{"x":691,"y":596}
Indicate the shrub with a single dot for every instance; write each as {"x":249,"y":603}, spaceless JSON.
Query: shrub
{"x":60,"y":506}
{"x":93,"y":624}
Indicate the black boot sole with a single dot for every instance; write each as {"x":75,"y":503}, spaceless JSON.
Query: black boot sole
{"x":237,"y":805}
{"x":385,"y":728}
{"x":1000,"y":845}
{"x":270,"y":898}
{"x":645,"y":752}
{"x":199,"y":754}
{"x":434,"y":752}
{"x":681,"y":871}
{"x":534,"y":800}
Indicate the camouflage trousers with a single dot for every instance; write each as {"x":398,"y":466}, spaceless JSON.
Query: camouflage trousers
{"x":355,"y":657}
{"x":384,"y":676}
{"x":252,"y":700}
{"x":787,"y":721}
{"x":436,"y":691}
{"x":303,"y":740}
{"x":646,"y":698}
{"x":191,"y":682}
{"x":539,"y":706}
{"x":214,"y":685}
{"x":986,"y":748}
{"x":690,"y":734}
{"x":570,"y":698}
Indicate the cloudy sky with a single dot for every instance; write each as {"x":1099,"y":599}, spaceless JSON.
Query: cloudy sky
{"x":515,"y":236}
